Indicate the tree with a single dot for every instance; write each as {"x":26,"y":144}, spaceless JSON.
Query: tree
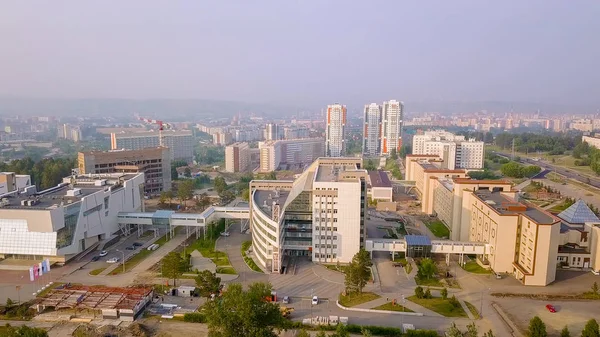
{"x":489,"y":334}
{"x":394,"y":154}
{"x":321,"y":334}
{"x":220,"y":185}
{"x":24,"y":331}
{"x":512,"y":169}
{"x":358,"y":272}
{"x":537,"y":328}
{"x":531,"y":170}
{"x":428,"y":293}
{"x":454,"y":331}
{"x":185,"y":191}
{"x":173,"y":266}
{"x":369,"y":165}
{"x":365,"y":332}
{"x":419,"y":292}
{"x":595,"y":288}
{"x":187,"y":172}
{"x":426,"y":269}
{"x":341,"y":331}
{"x":208,"y":283}
{"x":163,"y":198}
{"x":246,"y":194}
{"x":404,"y":150}
{"x":9,"y":303}
{"x":488,"y":138}
{"x":240,"y":312}
{"x":471,"y":330}
{"x":444,"y":293}
{"x":591,"y":329}
{"x":565,"y":332}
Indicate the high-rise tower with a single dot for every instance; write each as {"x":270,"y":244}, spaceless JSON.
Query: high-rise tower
{"x":336,"y":129}
{"x":391,"y":126}
{"x":372,"y":130}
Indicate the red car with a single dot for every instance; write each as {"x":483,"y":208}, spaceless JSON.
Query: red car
{"x":550,"y":308}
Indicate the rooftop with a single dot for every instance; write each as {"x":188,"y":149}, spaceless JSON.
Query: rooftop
{"x":95,"y":297}
{"x":507,"y":206}
{"x":331,"y":173}
{"x":578,"y":213}
{"x":67,"y":192}
{"x":379,"y":179}
{"x":265,"y":198}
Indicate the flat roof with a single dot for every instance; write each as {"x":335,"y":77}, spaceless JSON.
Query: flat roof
{"x":379,"y":179}
{"x":265,"y":198}
{"x":331,"y":173}
{"x":507,"y":206}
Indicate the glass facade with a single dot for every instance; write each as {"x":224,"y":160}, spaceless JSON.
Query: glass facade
{"x":64,"y":236}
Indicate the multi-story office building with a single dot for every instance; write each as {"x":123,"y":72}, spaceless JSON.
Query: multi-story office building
{"x":272,"y":132}
{"x":237,"y":157}
{"x":155,"y":163}
{"x":320,"y":214}
{"x":65,"y":220}
{"x":180,"y":143}
{"x":455,"y":151}
{"x":335,"y":144}
{"x":291,"y":153}
{"x":391,"y":126}
{"x":372,"y":130}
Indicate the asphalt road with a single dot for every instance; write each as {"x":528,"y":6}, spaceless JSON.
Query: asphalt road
{"x":560,"y":170}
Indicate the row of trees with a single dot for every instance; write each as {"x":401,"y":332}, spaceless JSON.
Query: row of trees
{"x":45,"y":173}
{"x":537,"y":328}
{"x":554,"y":143}
{"x":515,"y":170}
{"x":587,"y":156}
{"x":472,"y":331}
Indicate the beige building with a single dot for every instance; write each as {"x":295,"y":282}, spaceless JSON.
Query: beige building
{"x":237,"y":157}
{"x":180,"y":142}
{"x":155,"y":163}
{"x":522,"y":238}
{"x":592,"y":141}
{"x":379,"y":186}
{"x":290,"y":153}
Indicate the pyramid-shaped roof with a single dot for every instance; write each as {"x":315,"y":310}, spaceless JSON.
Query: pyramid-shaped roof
{"x":577,"y":213}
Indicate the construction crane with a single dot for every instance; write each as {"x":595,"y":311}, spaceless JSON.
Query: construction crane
{"x":161,"y":126}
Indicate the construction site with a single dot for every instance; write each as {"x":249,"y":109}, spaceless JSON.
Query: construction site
{"x":111,"y":302}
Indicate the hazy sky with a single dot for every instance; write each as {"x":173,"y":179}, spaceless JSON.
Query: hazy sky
{"x":309,"y":52}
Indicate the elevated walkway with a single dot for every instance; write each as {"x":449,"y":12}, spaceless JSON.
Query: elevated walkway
{"x":183,"y":219}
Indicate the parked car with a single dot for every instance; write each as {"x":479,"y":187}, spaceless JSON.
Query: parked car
{"x":137,"y":244}
{"x":113,"y":260}
{"x":103,"y":253}
{"x":315,"y":300}
{"x":286,"y":300}
{"x":95,"y":258}
{"x":130,"y":248}
{"x":224,"y":233}
{"x":550,"y":308}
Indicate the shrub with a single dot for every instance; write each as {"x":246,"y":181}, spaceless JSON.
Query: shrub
{"x":455,"y":303}
{"x":194,"y":317}
{"x":419,"y":292}
{"x":428,"y":293}
{"x":444,"y":293}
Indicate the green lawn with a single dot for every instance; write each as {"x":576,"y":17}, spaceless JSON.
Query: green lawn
{"x":391,"y":307}
{"x":355,"y":299}
{"x":473,"y":310}
{"x":432,"y":282}
{"x":247,"y":259}
{"x":439,"y":305}
{"x":438,"y":228}
{"x":132,"y":262}
{"x":226,"y":270}
{"x":473,"y":267}
{"x":206,"y":246}
{"x":341,"y":269}
{"x":97,"y":271}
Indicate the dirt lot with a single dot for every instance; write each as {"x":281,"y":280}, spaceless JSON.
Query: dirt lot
{"x":572,"y":314}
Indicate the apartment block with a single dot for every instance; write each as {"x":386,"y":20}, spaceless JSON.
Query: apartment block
{"x":237,"y":157}
{"x":455,"y":151}
{"x":222,"y":138}
{"x":592,"y":141}
{"x":335,"y":144}
{"x":180,"y":143}
{"x":70,"y":218}
{"x":155,"y":163}
{"x":372,"y":130}
{"x":320,"y":214}
{"x":391,"y":126}
{"x":272,"y":132}
{"x":70,"y":132}
{"x":296,"y":132}
{"x":290,"y":154}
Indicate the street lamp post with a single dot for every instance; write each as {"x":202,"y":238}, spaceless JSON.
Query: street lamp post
{"x":122,"y":252}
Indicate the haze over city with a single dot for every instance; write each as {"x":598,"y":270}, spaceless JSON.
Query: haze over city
{"x":303,"y":53}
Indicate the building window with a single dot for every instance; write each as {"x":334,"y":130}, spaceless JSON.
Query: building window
{"x":334,"y":219}
{"x":335,"y":237}
{"x":335,"y":229}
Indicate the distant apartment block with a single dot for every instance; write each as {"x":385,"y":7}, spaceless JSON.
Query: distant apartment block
{"x":372,"y":130}
{"x":70,"y":132}
{"x":237,"y":157}
{"x":592,"y":140}
{"x":296,"y":132}
{"x":290,"y":153}
{"x":585,"y":125}
{"x":455,"y":151}
{"x":222,"y":138}
{"x":180,"y":143}
{"x":335,"y":145}
{"x":155,"y":163}
{"x":272,"y":132}
{"x":391,"y":126}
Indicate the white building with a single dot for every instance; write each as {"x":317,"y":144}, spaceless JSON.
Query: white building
{"x":454,"y":150}
{"x":319,"y":215}
{"x":63,"y":221}
{"x":335,"y":144}
{"x":237,"y":157}
{"x":180,"y":142}
{"x":272,"y":132}
{"x":372,"y":130}
{"x":592,"y":141}
{"x":391,"y":126}
{"x":291,"y":153}
{"x":11,"y":182}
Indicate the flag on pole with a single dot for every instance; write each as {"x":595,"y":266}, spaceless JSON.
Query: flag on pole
{"x":35,"y":271}
{"x":41,"y":269}
{"x":47,"y":264}
{"x":31,"y":277}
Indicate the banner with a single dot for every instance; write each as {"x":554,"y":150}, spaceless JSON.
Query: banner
{"x":35,"y":272}
{"x":41,"y":269}
{"x":47,"y":265}
{"x":31,"y":277}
